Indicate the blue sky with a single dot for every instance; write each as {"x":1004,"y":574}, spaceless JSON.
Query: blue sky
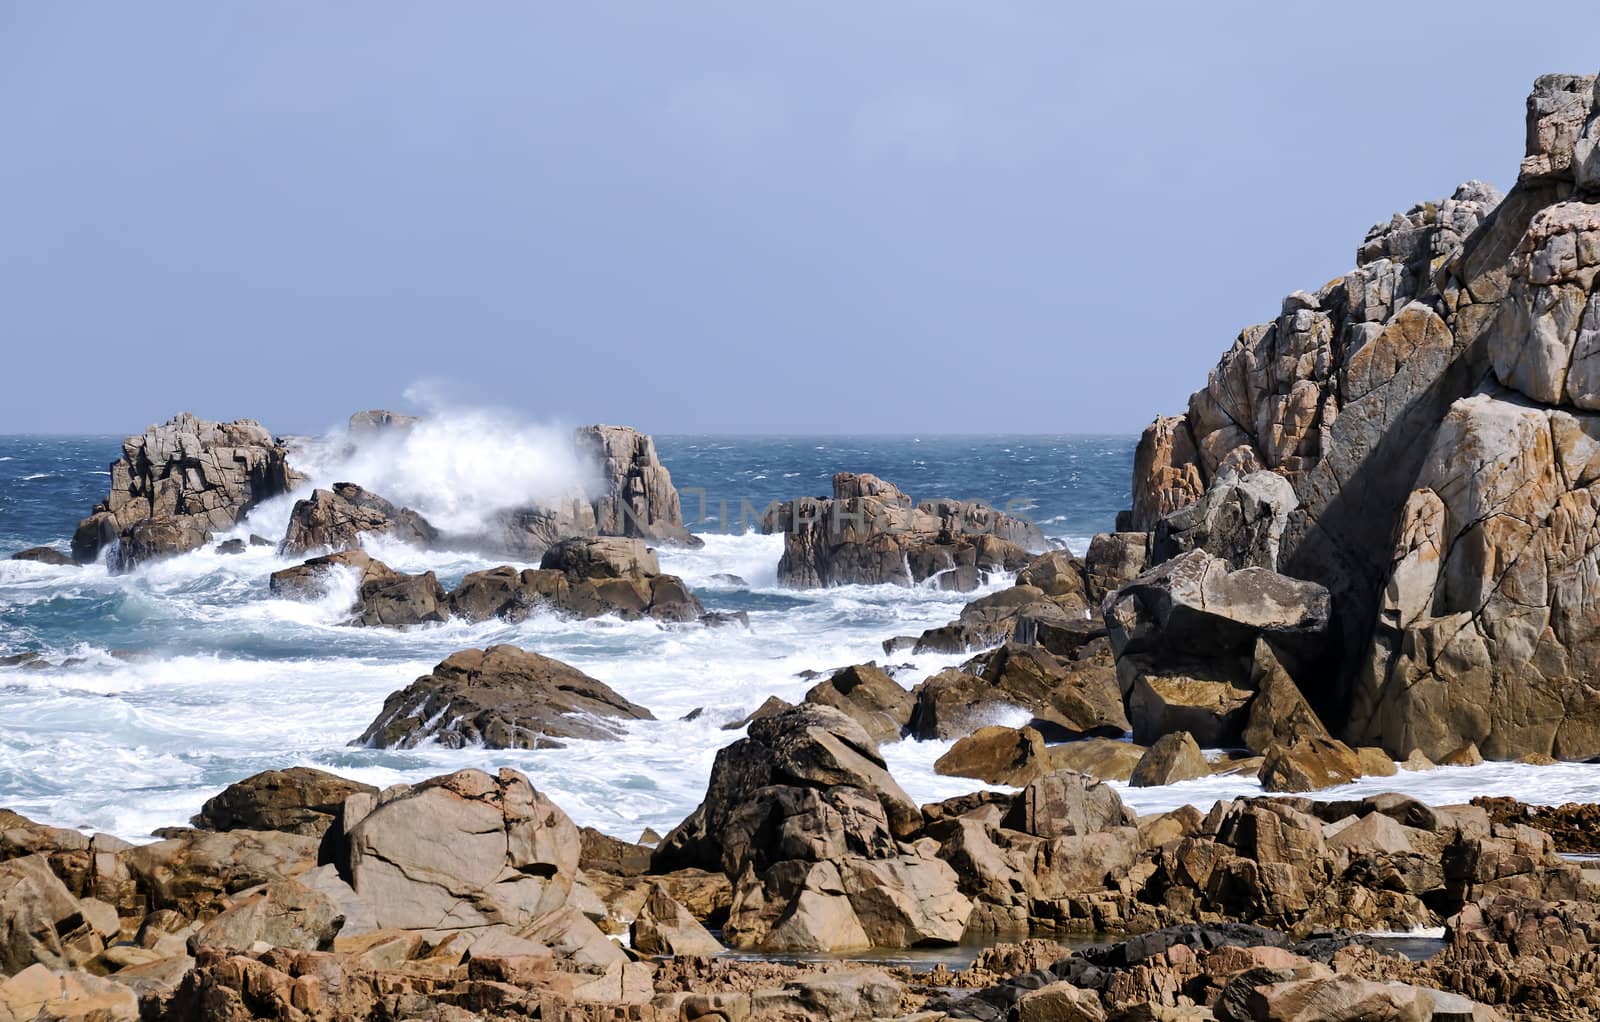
{"x":853,"y":217}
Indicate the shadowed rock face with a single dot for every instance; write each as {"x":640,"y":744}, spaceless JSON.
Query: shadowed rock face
{"x":1434,"y":411}
{"x":177,"y":483}
{"x":503,"y":698}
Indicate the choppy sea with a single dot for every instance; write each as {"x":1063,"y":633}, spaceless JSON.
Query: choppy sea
{"x":181,"y":677}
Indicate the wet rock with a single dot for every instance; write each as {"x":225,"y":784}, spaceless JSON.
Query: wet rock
{"x":639,"y":499}
{"x":501,"y":697}
{"x":187,"y":479}
{"x":336,"y":519}
{"x":380,"y":421}
{"x":1068,"y":697}
{"x":44,"y":555}
{"x":580,"y":578}
{"x":1104,"y":759}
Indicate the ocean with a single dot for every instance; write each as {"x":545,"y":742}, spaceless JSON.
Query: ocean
{"x":175,"y":680}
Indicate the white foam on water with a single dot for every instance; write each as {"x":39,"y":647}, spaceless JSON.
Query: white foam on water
{"x":234,"y":680}
{"x":458,"y":467}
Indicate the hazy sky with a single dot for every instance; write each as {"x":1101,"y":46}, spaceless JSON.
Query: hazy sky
{"x":742,"y":217}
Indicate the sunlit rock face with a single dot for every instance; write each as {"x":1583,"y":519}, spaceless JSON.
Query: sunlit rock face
{"x":1434,"y":411}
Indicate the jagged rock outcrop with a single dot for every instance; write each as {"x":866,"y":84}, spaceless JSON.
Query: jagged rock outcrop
{"x":383,"y":597}
{"x":1240,"y":519}
{"x":180,"y":482}
{"x":1058,"y":619}
{"x":1431,"y":410}
{"x":1175,"y":756}
{"x":501,"y":697}
{"x":337,"y":518}
{"x":639,"y":499}
{"x":821,"y":843}
{"x":869,"y":533}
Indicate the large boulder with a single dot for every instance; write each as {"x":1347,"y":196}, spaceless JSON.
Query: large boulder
{"x":501,"y":697}
{"x":1195,"y":607}
{"x":1186,"y":635}
{"x":997,"y":755}
{"x":868,"y":533}
{"x":1066,"y":698}
{"x":335,"y":519}
{"x":867,"y":695}
{"x":819,"y":840}
{"x":1309,"y":764}
{"x":189,"y":478}
{"x":299,"y":800}
{"x":1174,"y":757}
{"x":1113,"y":560}
{"x":467,"y":853}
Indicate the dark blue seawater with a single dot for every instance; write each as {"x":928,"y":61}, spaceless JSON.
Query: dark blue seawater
{"x":1070,"y":485}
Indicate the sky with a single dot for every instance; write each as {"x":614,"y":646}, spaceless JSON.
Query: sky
{"x":863,"y":217}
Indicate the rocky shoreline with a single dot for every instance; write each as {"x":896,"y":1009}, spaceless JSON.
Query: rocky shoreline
{"x":1367,"y":545}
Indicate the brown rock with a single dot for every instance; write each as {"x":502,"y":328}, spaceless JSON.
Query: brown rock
{"x":502,"y":697}
{"x":1309,"y":764}
{"x":298,"y":800}
{"x":1174,"y":757}
{"x":869,"y":697}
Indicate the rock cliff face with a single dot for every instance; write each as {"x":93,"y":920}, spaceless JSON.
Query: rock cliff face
{"x":177,"y":483}
{"x":870,"y":533}
{"x":1433,"y":413}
